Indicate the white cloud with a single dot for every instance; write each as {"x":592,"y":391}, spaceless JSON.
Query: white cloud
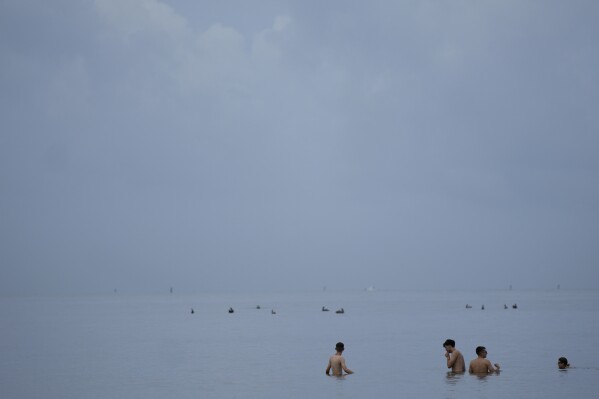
{"x":266,"y":46}
{"x":281,"y":22}
{"x":213,"y":62}
{"x":141,"y":17}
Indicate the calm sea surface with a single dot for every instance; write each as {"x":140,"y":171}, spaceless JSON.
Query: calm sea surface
{"x":153,"y":347}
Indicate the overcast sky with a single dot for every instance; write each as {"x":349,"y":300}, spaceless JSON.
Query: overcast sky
{"x":275,"y":145}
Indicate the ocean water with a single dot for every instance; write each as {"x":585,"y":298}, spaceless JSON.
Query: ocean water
{"x":122,"y":346}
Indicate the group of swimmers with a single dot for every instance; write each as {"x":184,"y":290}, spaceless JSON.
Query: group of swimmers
{"x":455,"y":361}
{"x":480,"y":365}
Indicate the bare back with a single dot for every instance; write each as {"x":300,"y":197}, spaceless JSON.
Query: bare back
{"x":337,"y":365}
{"x":481,"y":366}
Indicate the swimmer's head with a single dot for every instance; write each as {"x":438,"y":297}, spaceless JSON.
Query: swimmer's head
{"x":562,"y":363}
{"x":481,"y":350}
{"x":339,"y":347}
{"x":449,"y":342}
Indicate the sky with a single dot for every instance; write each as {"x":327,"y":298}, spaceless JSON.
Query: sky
{"x":295,"y":145}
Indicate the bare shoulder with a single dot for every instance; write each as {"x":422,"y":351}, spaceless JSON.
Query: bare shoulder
{"x":336,"y":358}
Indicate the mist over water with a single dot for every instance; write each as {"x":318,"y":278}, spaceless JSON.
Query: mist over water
{"x":153,"y":346}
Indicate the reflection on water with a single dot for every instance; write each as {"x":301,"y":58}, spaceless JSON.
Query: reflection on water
{"x":453,"y":381}
{"x":481,"y":377}
{"x":467,"y":385}
{"x":338,"y":377}
{"x":452,"y":378}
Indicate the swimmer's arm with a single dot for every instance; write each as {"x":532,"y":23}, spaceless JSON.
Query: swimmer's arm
{"x":490,"y":367}
{"x":328,"y":368}
{"x":450,"y":361}
{"x":348,"y":371}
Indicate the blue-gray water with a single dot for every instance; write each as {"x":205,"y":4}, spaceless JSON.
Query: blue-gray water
{"x":148,"y":347}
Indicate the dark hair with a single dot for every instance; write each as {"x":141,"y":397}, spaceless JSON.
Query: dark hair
{"x":339,"y":346}
{"x":563,"y":360}
{"x":479,"y":349}
{"x":449,"y":342}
